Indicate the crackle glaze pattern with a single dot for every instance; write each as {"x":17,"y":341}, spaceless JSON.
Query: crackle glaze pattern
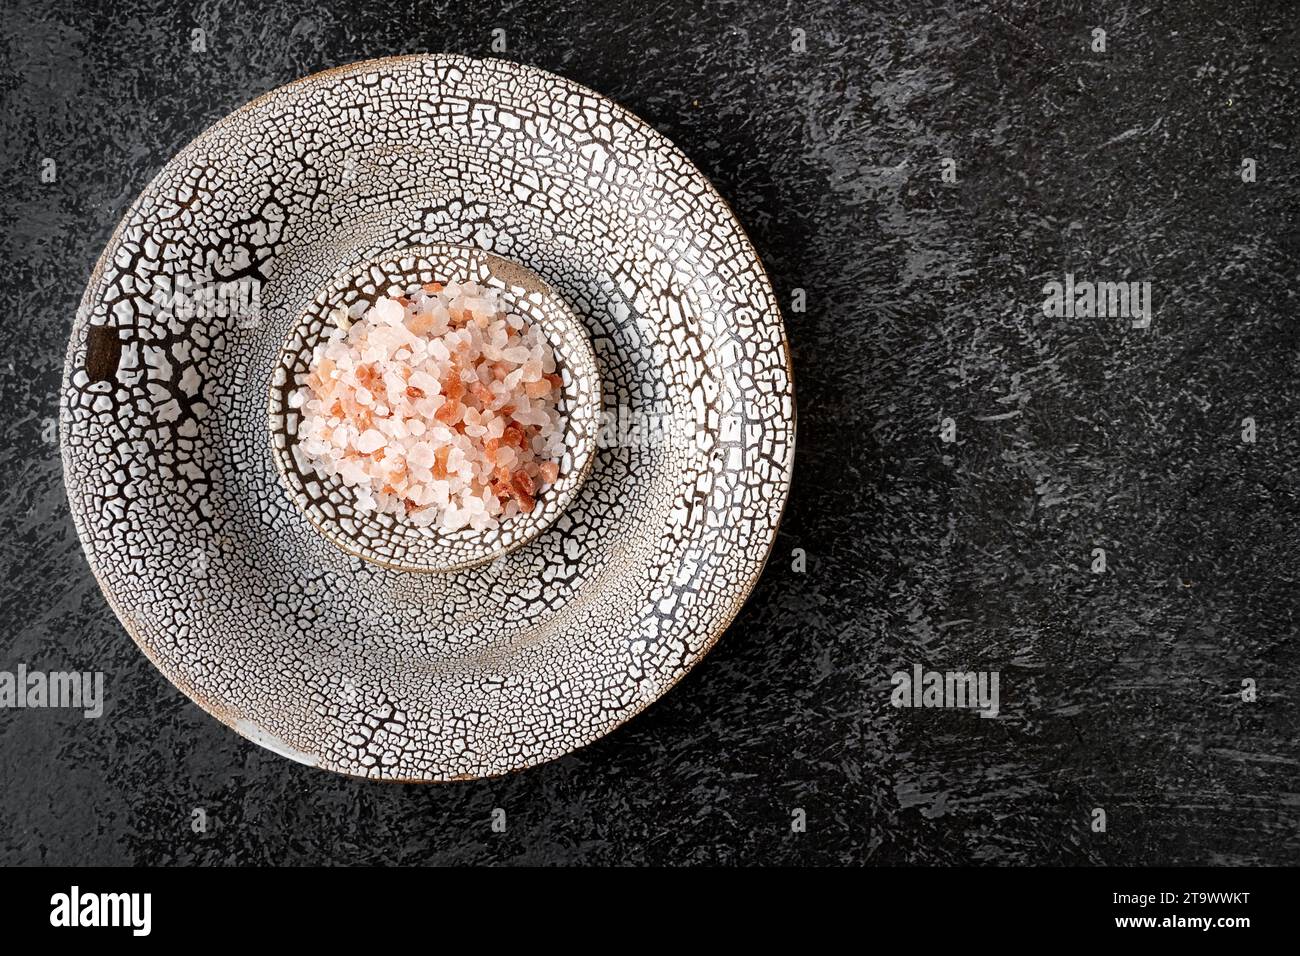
{"x":380,"y":537}
{"x":363,"y":669}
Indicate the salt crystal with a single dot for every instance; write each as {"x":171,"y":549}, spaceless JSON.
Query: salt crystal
{"x":371,"y":440}
{"x":386,"y":310}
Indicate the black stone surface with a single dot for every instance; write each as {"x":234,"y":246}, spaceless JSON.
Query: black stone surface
{"x":1119,"y":691}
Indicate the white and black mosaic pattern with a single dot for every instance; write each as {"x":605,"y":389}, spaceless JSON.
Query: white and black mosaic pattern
{"x":362,"y":669}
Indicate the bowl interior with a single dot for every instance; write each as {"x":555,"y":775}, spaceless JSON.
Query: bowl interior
{"x":384,"y":538}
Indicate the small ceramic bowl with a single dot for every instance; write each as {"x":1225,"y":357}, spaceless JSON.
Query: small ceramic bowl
{"x":384,"y":538}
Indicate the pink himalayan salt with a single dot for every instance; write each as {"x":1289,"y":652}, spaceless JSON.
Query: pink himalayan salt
{"x":438,"y":406}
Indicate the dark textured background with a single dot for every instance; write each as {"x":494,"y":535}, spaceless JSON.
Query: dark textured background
{"x":1119,"y":691}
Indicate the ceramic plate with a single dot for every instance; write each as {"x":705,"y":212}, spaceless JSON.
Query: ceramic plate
{"x":369,"y":670}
